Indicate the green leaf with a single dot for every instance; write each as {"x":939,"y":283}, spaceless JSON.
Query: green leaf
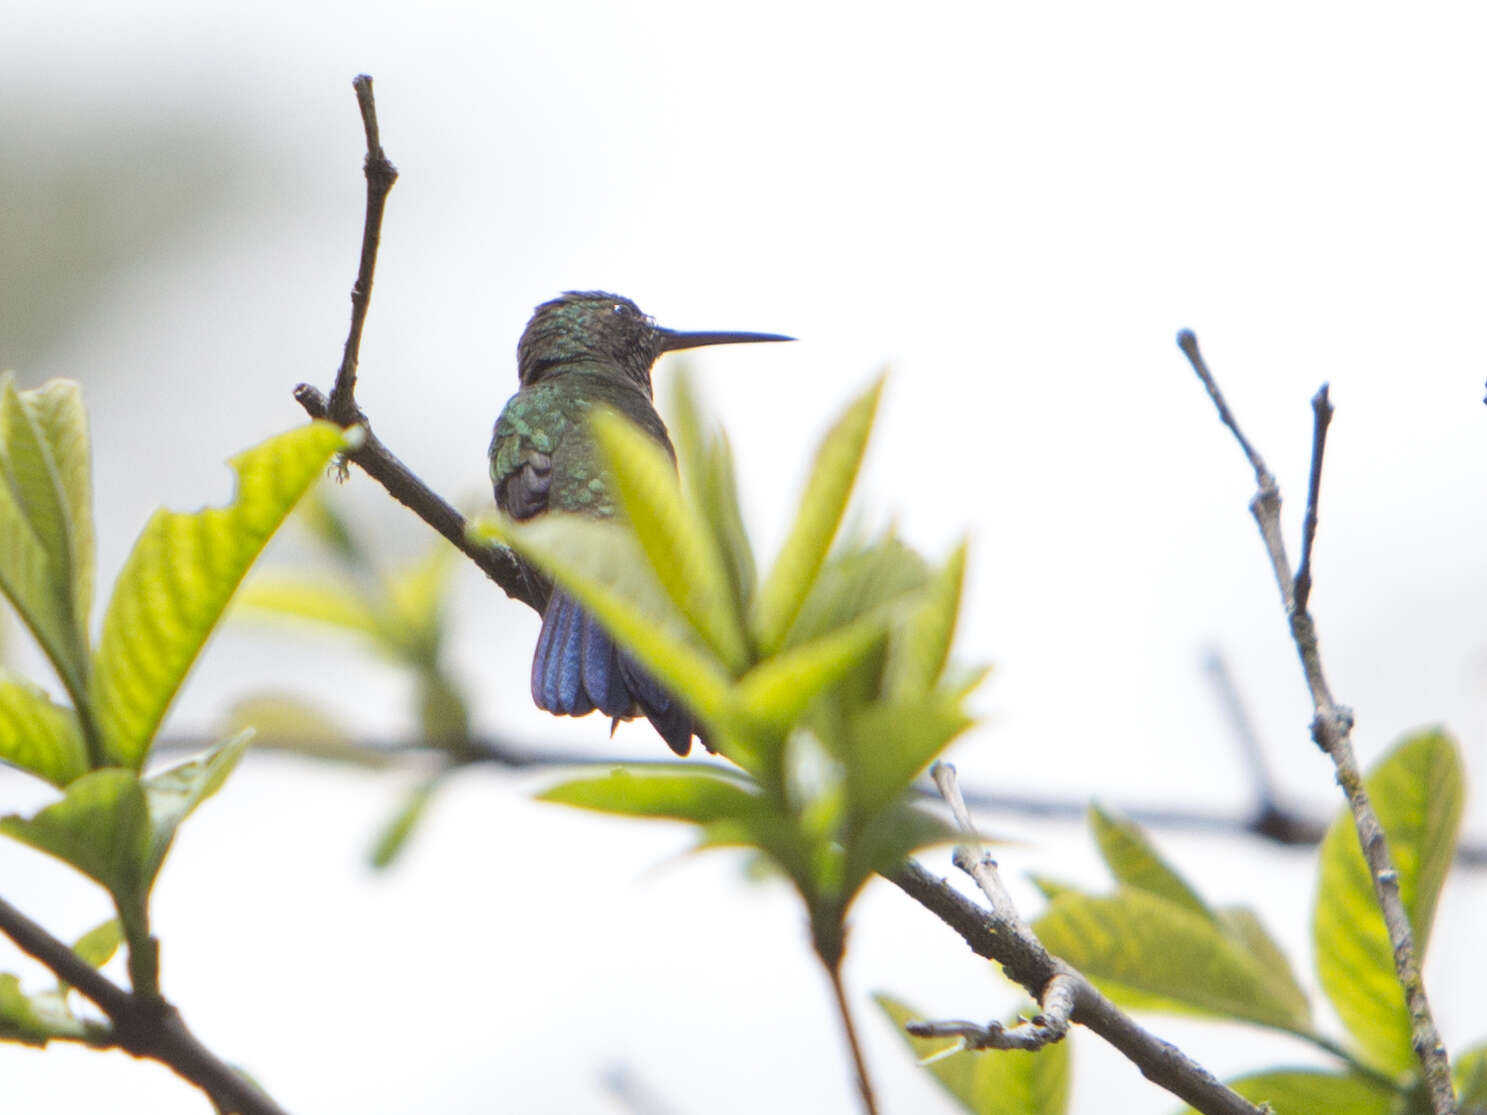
{"x":887,"y":838}
{"x":318,"y":600}
{"x":97,"y":946}
{"x":39,"y":592}
{"x":394,"y":836}
{"x":679,"y":545}
{"x":994,"y":1082}
{"x":1310,"y":1091}
{"x":1417,"y":792}
{"x":1148,"y":952}
{"x":816,"y":520}
{"x":858,"y":580}
{"x":601,"y":564}
{"x":1245,"y":928}
{"x":921,"y":646}
{"x":33,"y":1019}
{"x":678,"y":793}
{"x":1135,"y":863}
{"x":284,"y":723}
{"x":893,"y":741}
{"x":174,"y":794}
{"x":46,"y":450}
{"x":706,"y":464}
{"x":180,"y":576}
{"x":101,"y":827}
{"x":1469,"y":1070}
{"x":779,"y":689}
{"x":39,"y":735}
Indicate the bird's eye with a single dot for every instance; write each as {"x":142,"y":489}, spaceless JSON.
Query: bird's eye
{"x":618,"y":307}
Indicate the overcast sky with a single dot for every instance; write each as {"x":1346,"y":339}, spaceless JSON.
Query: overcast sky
{"x":1014,"y":208}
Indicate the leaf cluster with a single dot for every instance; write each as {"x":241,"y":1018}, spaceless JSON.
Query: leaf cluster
{"x":825,"y":679}
{"x":1156,"y":943}
{"x":113,"y":822}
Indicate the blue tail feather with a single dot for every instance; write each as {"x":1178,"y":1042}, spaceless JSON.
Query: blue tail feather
{"x":577,"y":668}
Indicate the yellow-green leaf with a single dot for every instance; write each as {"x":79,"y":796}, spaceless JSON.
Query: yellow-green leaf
{"x":778,"y":690}
{"x":601,"y":564}
{"x":37,"y":734}
{"x":180,"y":576}
{"x":173,"y":795}
{"x":1314,"y":1092}
{"x":1146,"y":951}
{"x":718,"y":498}
{"x":1136,"y":863}
{"x":921,"y":645}
{"x":56,"y":408}
{"x":39,"y":592}
{"x":673,"y":792}
{"x":393,"y":837}
{"x":816,"y":521}
{"x":994,"y":1082}
{"x":681,"y":548}
{"x":319,"y":600}
{"x":33,"y":1019}
{"x":1469,"y":1071}
{"x":1417,"y":791}
{"x":892,"y":742}
{"x":1244,"y":927}
{"x":284,"y":723}
{"x":101,"y":827}
{"x":97,"y":946}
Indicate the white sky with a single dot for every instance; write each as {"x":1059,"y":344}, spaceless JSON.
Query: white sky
{"x":1015,"y":207}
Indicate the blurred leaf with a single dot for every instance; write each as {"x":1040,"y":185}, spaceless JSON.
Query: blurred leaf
{"x":329,"y":527}
{"x":101,"y":827}
{"x":994,"y":1082}
{"x":920,"y":648}
{"x":817,"y":518}
{"x":1135,"y":862}
{"x":1245,"y":928}
{"x":443,"y":716}
{"x":183,"y":570}
{"x":37,"y":734}
{"x":778,"y":690}
{"x":1469,"y":1071}
{"x":417,"y":590}
{"x":892,"y":743}
{"x":33,"y":1020}
{"x":1312,"y":1091}
{"x":394,"y":836}
{"x":97,"y":946}
{"x":1147,"y":952}
{"x":1417,"y":792}
{"x":857,"y":580}
{"x":174,"y":794}
{"x":285,"y":723}
{"x":888,"y":837}
{"x":318,"y":600}
{"x":678,"y":544}
{"x":718,"y":496}
{"x":601,"y":564}
{"x":678,"y":793}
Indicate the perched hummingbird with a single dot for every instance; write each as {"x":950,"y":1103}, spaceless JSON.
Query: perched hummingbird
{"x":583,"y":348}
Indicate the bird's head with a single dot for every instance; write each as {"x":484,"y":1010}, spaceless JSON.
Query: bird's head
{"x":595,"y":328}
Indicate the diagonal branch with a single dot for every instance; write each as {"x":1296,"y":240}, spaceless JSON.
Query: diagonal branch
{"x":146,"y":1026}
{"x":374,"y":458}
{"x":1332,"y":724}
{"x":1065,"y":994}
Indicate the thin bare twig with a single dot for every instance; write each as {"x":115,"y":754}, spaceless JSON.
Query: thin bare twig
{"x":849,"y":1029}
{"x":1321,"y":409}
{"x":1026,"y":961}
{"x":380,"y":175}
{"x":145,"y":1026}
{"x":1063,"y":993}
{"x":1331,"y":729}
{"x":373,"y":457}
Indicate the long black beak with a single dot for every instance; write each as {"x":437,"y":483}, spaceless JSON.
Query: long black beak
{"x":671,"y":340}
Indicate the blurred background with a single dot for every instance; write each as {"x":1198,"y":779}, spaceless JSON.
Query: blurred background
{"x":1013,"y":207}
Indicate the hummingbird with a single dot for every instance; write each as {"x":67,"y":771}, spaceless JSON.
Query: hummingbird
{"x":581,"y":349}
